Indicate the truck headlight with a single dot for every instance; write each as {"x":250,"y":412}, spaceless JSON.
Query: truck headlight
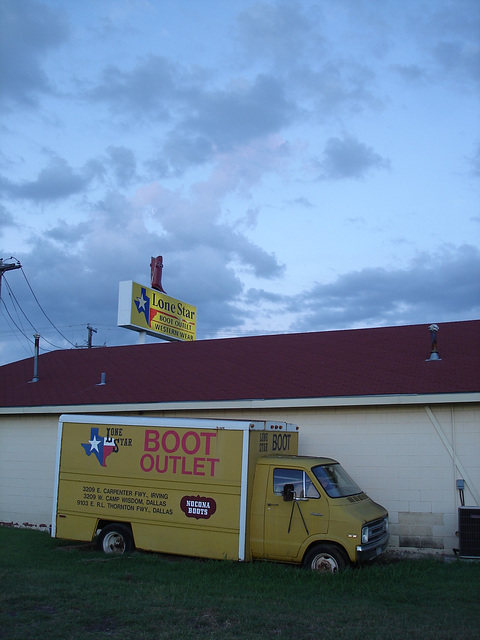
{"x":364,"y":535}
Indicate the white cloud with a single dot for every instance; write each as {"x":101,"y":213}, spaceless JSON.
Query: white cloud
{"x":260,"y":147}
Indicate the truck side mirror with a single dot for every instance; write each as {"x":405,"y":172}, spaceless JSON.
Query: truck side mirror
{"x":288,"y":492}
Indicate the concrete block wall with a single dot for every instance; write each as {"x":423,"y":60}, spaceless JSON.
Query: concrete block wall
{"x":394,"y":453}
{"x":399,"y":459}
{"x":27,"y":469}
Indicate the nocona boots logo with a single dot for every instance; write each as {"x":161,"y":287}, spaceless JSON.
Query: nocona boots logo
{"x":198,"y":507}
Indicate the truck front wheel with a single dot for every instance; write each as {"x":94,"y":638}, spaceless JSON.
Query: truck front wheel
{"x":325,"y":558}
{"x":115,"y":539}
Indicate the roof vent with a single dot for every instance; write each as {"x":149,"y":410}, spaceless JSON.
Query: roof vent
{"x":433,"y":328}
{"x":35,"y":358}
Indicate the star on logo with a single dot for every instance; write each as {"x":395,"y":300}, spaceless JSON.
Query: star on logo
{"x":94,"y":443}
{"x":99,"y":446}
{"x":141,"y":302}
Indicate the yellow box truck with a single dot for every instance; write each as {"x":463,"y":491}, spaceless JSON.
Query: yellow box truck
{"x":232,"y":489}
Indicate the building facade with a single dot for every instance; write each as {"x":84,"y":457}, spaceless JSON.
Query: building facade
{"x":406,"y":450}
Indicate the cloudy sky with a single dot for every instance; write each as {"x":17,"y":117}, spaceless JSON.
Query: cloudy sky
{"x":301,"y":165}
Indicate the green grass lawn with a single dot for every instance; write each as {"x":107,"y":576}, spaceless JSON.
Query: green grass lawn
{"x":50,"y":590}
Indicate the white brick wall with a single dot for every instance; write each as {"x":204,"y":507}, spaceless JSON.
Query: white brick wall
{"x":394,"y":453}
{"x":27,"y":467}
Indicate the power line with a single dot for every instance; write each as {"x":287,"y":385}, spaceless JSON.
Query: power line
{"x":17,"y":304}
{"x":44,"y":313}
{"x":21,"y":343}
{"x":6,"y":266}
{"x":19,"y":328}
{"x":13,"y":321}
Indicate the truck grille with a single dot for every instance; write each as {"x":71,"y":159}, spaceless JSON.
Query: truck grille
{"x":377,"y":529}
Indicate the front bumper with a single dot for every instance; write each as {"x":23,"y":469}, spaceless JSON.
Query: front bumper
{"x":366,"y":552}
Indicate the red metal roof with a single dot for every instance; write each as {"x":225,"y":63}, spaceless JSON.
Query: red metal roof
{"x":358,"y":362}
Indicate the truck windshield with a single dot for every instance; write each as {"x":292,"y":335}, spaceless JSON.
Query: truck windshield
{"x":336,"y":481}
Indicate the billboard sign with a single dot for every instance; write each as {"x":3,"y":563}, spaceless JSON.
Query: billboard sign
{"x":151,"y":311}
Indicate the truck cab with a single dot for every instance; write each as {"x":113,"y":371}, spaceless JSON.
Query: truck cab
{"x":309,"y":510}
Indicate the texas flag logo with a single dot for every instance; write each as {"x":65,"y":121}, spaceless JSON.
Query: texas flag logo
{"x":144,"y":306}
{"x":99,"y":446}
{"x":142,"y":303}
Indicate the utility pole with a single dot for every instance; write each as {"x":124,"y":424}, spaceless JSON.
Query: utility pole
{"x":7,"y":266}
{"x":90,"y":331}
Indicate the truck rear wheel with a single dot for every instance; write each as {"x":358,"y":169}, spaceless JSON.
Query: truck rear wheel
{"x":325,"y":558}
{"x":115,"y":539}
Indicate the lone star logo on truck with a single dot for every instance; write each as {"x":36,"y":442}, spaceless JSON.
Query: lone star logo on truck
{"x":100,"y":446}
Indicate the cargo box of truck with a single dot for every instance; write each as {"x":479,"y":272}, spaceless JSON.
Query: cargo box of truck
{"x":232,"y":489}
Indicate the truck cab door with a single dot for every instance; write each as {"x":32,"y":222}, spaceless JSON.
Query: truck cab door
{"x":294,"y":511}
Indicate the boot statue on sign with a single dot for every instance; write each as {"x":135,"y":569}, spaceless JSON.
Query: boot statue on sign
{"x":156,"y":266}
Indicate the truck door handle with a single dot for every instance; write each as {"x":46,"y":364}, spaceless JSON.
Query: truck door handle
{"x":272,"y":504}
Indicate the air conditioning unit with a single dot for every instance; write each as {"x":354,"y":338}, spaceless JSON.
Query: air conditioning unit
{"x":469,"y":531}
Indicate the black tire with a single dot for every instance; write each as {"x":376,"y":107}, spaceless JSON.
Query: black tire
{"x":115,"y":539}
{"x":325,"y":558}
